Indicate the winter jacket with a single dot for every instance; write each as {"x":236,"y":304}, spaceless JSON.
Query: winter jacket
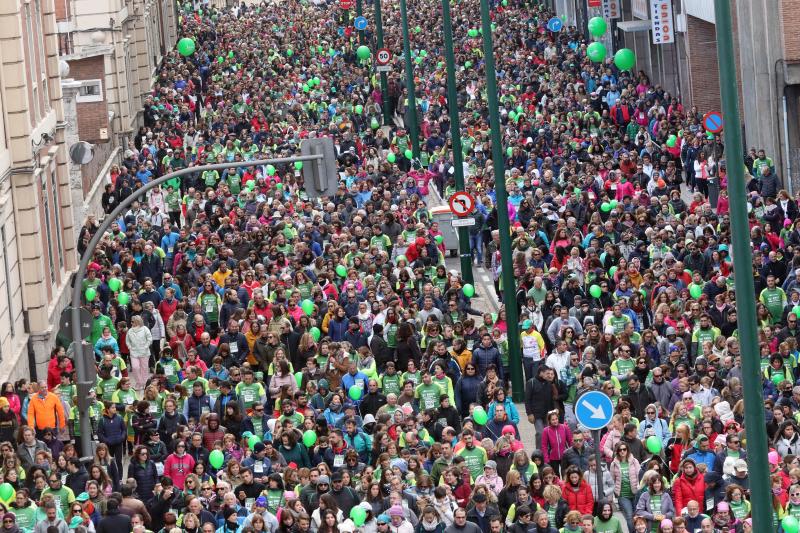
{"x":685,"y":489}
{"x":788,"y":446}
{"x":146,"y":477}
{"x":139,"y":341}
{"x":579,"y":458}
{"x":112,"y":430}
{"x":579,"y":499}
{"x":483,"y":357}
{"x":541,"y":396}
{"x":555,"y":441}
{"x":466,"y":391}
{"x":47,"y":412}
{"x":643,"y":507}
{"x":633,"y":474}
{"x":708,"y":457}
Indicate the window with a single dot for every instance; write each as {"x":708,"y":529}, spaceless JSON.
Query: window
{"x":48,"y":230}
{"x":9,"y":288}
{"x":41,"y":56}
{"x":37,"y":115}
{"x":90,"y":91}
{"x":57,"y":215}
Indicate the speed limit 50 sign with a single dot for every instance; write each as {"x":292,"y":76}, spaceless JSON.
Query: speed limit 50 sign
{"x":383,"y":56}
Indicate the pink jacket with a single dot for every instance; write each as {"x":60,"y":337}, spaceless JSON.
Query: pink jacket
{"x":178,"y":468}
{"x":555,"y":441}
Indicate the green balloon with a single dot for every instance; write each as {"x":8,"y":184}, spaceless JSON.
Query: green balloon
{"x":479,"y":416}
{"x":186,"y":46}
{"x":216,"y":459}
{"x":418,"y":60}
{"x":467,"y":64}
{"x":123,"y":298}
{"x":653,"y":444}
{"x":358,"y":515}
{"x":509,"y":151}
{"x":671,"y":141}
{"x":114,"y":284}
{"x":417,"y":29}
{"x":408,"y":153}
{"x":613,"y":203}
{"x":306,"y":88}
{"x":391,"y":158}
{"x":468,"y":290}
{"x":7,"y":492}
{"x":605,"y":207}
{"x":512,"y":115}
{"x":625,"y":59}
{"x":595,"y":291}
{"x":612,"y":271}
{"x":307,"y":306}
{"x":363,"y":52}
{"x":596,"y":51}
{"x":790,"y":524}
{"x":298,"y":165}
{"x":341,"y":271}
{"x":695,"y":291}
{"x":91,"y":294}
{"x":220,"y":59}
{"x":289,"y":52}
{"x":316,"y":81}
{"x":298,"y":377}
{"x":796,"y":310}
{"x":472,"y":33}
{"x":315,"y":333}
{"x":778,"y":378}
{"x":252,"y":441}
{"x":354,"y":392}
{"x":359,"y":109}
{"x":270,"y":170}
{"x":309,"y":438}
{"x":439,"y":239}
{"x":374,"y":124}
{"x":597,"y":26}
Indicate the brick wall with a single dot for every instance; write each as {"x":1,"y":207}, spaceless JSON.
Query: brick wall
{"x":62,"y":10}
{"x":91,"y":115}
{"x":703,"y":67}
{"x":790,"y":19}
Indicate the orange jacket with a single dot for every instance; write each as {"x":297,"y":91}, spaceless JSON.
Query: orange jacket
{"x":46,"y":413}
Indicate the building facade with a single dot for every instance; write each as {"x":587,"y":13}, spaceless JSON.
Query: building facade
{"x":37,"y":244}
{"x":110,"y":50}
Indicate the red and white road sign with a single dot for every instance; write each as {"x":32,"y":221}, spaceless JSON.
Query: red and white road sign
{"x":462,"y":204}
{"x":383,"y":56}
{"x":346,"y":4}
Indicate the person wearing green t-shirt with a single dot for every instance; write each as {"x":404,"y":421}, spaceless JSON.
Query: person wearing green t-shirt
{"x":774,"y":299}
{"x":474,"y":456}
{"x":427,"y":393}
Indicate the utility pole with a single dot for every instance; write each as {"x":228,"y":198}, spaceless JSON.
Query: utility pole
{"x":761,"y":495}
{"x":464,"y":248}
{"x":358,"y":14}
{"x":509,"y":284}
{"x":410,"y":87}
{"x":387,"y":113}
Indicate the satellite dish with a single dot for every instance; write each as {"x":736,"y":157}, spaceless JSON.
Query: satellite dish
{"x":81,"y":153}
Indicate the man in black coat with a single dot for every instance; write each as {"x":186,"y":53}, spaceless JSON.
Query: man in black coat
{"x":373,"y":400}
{"x":114,"y":521}
{"x":542,"y":394}
{"x":77,"y":477}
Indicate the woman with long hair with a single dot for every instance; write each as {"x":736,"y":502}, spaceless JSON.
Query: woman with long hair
{"x":625,"y":473}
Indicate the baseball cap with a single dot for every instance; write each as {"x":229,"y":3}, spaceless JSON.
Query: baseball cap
{"x":490,"y":464}
{"x":740,"y":465}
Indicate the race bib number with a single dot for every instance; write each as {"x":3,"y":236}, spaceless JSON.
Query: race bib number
{"x":129,"y":400}
{"x":153,"y":408}
{"x":209,"y":308}
{"x":258,"y":468}
{"x":248,"y":503}
{"x":234,"y":347}
{"x":249,"y":396}
{"x":338,"y":461}
{"x":169,"y":371}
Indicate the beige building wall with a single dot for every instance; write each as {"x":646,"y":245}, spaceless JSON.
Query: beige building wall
{"x":36,"y":223}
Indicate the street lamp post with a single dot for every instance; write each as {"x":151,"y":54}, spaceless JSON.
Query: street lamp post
{"x":410,"y":87}
{"x":743,"y":276}
{"x":464,"y":247}
{"x":113,"y":216}
{"x":509,"y":284}
{"x":387,"y":112}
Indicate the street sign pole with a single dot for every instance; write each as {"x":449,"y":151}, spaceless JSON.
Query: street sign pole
{"x":504,"y":224}
{"x":358,"y":14}
{"x":410,"y":86}
{"x":385,"y":105}
{"x":593,"y":410}
{"x":464,"y":247}
{"x":75,"y":322}
{"x":743,"y":276}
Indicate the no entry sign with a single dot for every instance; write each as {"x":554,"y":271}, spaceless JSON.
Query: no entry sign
{"x":462,"y":204}
{"x":712,"y":122}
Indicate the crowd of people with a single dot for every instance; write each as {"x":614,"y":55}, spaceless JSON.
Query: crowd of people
{"x":271,"y":362}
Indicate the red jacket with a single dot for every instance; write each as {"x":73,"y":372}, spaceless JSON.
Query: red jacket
{"x":580,"y":500}
{"x":685,"y":489}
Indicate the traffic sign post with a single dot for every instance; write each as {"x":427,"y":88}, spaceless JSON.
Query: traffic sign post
{"x":463,"y":222}
{"x":594,"y":410}
{"x":712,"y":122}
{"x":360,"y":23}
{"x":382,"y":58}
{"x":346,"y":4}
{"x":462,"y":204}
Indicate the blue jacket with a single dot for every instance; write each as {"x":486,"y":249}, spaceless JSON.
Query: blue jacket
{"x":359,"y":378}
{"x":193,"y":406}
{"x":360,"y":442}
{"x":708,"y":457}
{"x":511,"y":410}
{"x":112,"y":431}
{"x":337,"y":329}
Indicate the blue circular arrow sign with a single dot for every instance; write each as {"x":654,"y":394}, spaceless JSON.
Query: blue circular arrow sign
{"x":360,"y":23}
{"x":555,"y":24}
{"x":594,"y":410}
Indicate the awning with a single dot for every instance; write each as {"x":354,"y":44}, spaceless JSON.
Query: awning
{"x":635,"y":25}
